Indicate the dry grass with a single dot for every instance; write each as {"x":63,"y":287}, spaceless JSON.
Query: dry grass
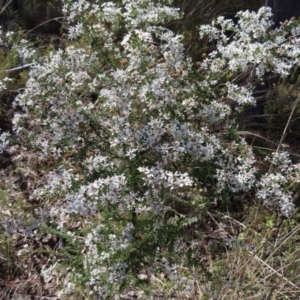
{"x":262,"y":262}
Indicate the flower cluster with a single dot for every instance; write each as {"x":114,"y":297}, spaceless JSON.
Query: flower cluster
{"x":237,"y":170}
{"x":105,"y":277}
{"x":3,"y":141}
{"x":3,"y":83}
{"x":249,"y":48}
{"x":274,"y":188}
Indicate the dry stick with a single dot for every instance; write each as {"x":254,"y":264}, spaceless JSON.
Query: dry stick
{"x":2,"y":10}
{"x":286,"y":127}
{"x":272,"y":269}
{"x":253,"y":255}
{"x":291,"y":278}
{"x":286,"y":237}
{"x":26,"y":66}
{"x":256,"y":135}
{"x":284,"y":267}
{"x":54,"y":19}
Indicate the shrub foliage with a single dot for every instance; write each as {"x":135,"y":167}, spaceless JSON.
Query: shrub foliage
{"x":134,"y":141}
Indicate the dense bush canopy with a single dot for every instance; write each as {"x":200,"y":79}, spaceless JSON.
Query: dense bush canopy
{"x":134,"y":140}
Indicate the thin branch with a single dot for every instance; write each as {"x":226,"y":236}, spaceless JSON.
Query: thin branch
{"x":54,"y":19}
{"x":286,"y":127}
{"x":26,"y":66}
{"x":273,"y":270}
{"x":256,"y":135}
{"x":3,"y":9}
{"x":288,"y":122}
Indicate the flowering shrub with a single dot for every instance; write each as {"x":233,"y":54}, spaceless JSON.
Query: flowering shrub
{"x":134,"y":136}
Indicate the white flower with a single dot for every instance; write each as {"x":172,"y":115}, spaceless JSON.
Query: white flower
{"x":3,"y":141}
